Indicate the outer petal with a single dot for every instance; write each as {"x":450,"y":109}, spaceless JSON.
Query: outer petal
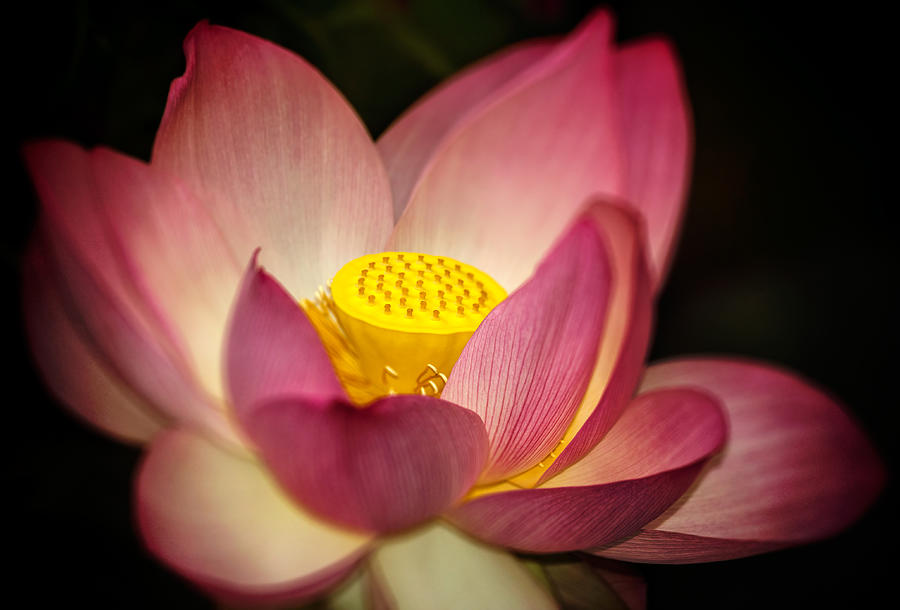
{"x":104,"y":297}
{"x":272,"y":350}
{"x":525,"y":369}
{"x":439,"y":568}
{"x":408,"y":145}
{"x":279,"y":156}
{"x":645,"y":463}
{"x":71,"y":368}
{"x":507,"y":180}
{"x":796,"y":468}
{"x":175,"y":252}
{"x":657,"y":128}
{"x":623,"y":346}
{"x":220,"y":521}
{"x":389,"y":466}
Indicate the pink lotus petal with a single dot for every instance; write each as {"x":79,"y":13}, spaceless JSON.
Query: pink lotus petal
{"x":796,"y":468}
{"x":410,"y":142}
{"x":175,"y":252}
{"x":386,"y":467}
{"x":103,"y":299}
{"x":219,"y":520}
{"x":272,"y":350}
{"x":656,"y":122}
{"x":509,"y":179}
{"x":71,"y":368}
{"x":280,"y":158}
{"x":439,"y":567}
{"x":626,"y":335}
{"x":525,"y":369}
{"x":649,"y":458}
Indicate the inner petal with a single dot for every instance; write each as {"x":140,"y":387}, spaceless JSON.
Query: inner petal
{"x":396,"y":322}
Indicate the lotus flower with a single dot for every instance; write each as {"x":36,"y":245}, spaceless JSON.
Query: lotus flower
{"x":474,"y":377}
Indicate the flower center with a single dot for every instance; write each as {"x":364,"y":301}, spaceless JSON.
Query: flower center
{"x":396,"y":322}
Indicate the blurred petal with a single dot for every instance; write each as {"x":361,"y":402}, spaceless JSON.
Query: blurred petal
{"x":623,"y":346}
{"x":649,"y":458}
{"x":220,"y":521}
{"x":277,"y":154}
{"x":438,"y":568}
{"x":527,"y":365}
{"x":388,"y":466}
{"x":104,"y":297}
{"x":656,"y":121}
{"x":627,"y":582}
{"x":796,"y":468}
{"x":175,"y":252}
{"x":410,"y":142}
{"x":590,"y":583}
{"x":272,"y":349}
{"x":507,"y":181}
{"x":70,"y":367}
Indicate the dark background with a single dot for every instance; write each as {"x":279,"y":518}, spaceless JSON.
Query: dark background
{"x":785,"y":253}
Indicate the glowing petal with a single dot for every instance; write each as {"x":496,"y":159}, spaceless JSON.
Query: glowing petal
{"x":219,"y":520}
{"x":440,"y":568}
{"x":410,"y":142}
{"x":525,"y":369}
{"x":278,"y":155}
{"x":510,"y":178}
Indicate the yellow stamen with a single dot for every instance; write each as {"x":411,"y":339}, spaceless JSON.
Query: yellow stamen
{"x":377,"y":352}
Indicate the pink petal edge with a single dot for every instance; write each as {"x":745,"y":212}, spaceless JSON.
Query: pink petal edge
{"x":272,"y":350}
{"x":796,"y":468}
{"x":526,"y":367}
{"x":658,"y":140}
{"x":625,"y":338}
{"x":646,"y":462}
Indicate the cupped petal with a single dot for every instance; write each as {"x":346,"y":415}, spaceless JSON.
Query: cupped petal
{"x":389,"y":466}
{"x":658,"y":141}
{"x":796,"y":468}
{"x":437,"y":567}
{"x":71,"y":368}
{"x":174,"y":251}
{"x":103,"y":296}
{"x":508,"y":180}
{"x":526,"y":367}
{"x":623,"y":346}
{"x":410,"y":142}
{"x":649,"y":459}
{"x":280,"y":158}
{"x":220,"y":521}
{"x":272,"y":349}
